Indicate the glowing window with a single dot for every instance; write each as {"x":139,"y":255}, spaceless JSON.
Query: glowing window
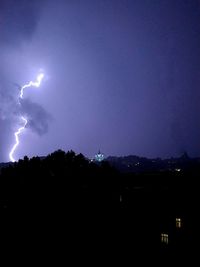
{"x":178,"y":223}
{"x":165,"y":238}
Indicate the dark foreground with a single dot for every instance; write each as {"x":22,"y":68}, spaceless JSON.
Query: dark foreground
{"x":65,"y":208}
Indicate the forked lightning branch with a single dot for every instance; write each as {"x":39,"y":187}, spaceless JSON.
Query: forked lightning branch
{"x":24,"y":120}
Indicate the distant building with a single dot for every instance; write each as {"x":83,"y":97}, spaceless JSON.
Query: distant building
{"x":99,"y":157}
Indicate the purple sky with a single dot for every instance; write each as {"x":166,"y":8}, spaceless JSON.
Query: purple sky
{"x":121,"y":75}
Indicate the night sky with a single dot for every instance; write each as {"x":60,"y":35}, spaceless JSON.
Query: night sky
{"x":122,"y":76}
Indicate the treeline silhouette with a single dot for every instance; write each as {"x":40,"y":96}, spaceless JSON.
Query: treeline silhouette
{"x":41,"y":184}
{"x":61,"y":196}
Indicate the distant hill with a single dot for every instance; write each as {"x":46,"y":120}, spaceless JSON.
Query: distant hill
{"x":137,"y":164}
{"x":5,"y":164}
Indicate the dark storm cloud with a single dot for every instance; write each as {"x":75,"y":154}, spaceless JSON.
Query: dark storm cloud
{"x":38,"y":118}
{"x":18,"y":20}
{"x":18,"y":23}
{"x":6,"y":132}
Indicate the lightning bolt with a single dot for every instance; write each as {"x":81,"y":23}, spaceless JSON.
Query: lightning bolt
{"x":17,"y":139}
{"x":31,"y":83}
{"x":21,"y":129}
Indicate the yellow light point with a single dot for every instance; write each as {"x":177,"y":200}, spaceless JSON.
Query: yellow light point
{"x":178,"y":223}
